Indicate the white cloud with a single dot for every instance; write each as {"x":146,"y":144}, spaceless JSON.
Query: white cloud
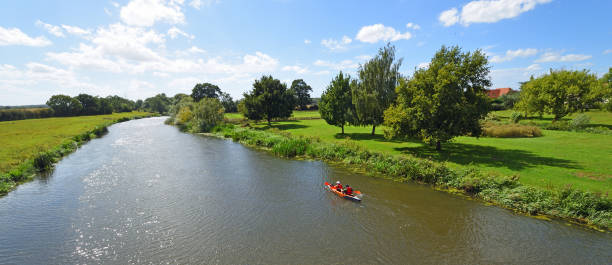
{"x":414,"y":26}
{"x":512,"y":54}
{"x":423,"y":65}
{"x":15,"y":36}
{"x":607,"y":51}
{"x":379,"y":32}
{"x":108,"y":12}
{"x":557,"y":57}
{"x":324,"y":72}
{"x":307,"y":41}
{"x":363,"y":57}
{"x":449,"y":17}
{"x":195,"y":49}
{"x":54,"y":30}
{"x":76,"y":30}
{"x":197,"y":4}
{"x":295,"y":68}
{"x":336,"y":45}
{"x":174,"y":32}
{"x":36,"y":73}
{"x":146,"y":13}
{"x":342,"y":65}
{"x":511,"y":77}
{"x":488,"y":11}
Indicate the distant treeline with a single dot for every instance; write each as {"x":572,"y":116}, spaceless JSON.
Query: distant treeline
{"x":22,"y":114}
{"x":63,"y":106}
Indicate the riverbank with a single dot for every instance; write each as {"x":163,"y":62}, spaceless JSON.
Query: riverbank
{"x":581,"y":207}
{"x":32,"y":146}
{"x":558,"y":159}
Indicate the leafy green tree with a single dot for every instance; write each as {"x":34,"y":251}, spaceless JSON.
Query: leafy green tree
{"x":375,"y":90}
{"x":301,"y":91}
{"x":64,"y":105}
{"x":336,"y":105}
{"x":205,"y":90}
{"x":138,"y":104}
{"x":91,"y":104}
{"x":105,"y":106}
{"x":445,"y":100}
{"x":178,"y":97}
{"x":560,"y":93}
{"x":603,"y":95}
{"x":160,"y":103}
{"x":269,"y":99}
{"x":228,"y":103}
{"x":207,"y":114}
{"x":510,"y":99}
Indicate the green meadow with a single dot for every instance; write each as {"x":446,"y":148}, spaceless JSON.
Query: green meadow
{"x":557,"y":159}
{"x":23,"y":139}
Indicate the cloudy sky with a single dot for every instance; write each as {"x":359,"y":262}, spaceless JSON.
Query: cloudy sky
{"x":140,"y":48}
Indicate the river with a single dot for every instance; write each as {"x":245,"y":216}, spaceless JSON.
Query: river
{"x":147,"y":193}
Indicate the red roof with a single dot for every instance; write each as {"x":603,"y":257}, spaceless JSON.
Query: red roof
{"x":498,"y":92}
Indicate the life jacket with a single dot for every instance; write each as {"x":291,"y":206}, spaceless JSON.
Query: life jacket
{"x":339,"y":187}
{"x":349,"y":190}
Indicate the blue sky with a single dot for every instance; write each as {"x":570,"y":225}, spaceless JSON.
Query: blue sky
{"x":139,"y":48}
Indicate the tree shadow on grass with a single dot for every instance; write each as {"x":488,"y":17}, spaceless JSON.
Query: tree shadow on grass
{"x":489,"y":156}
{"x":283,"y":126}
{"x":366,"y":136}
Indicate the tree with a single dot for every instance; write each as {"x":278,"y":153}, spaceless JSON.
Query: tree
{"x":603,"y":95}
{"x":91,"y":104}
{"x":105,"y":106}
{"x":301,"y":91}
{"x":445,"y":100}
{"x":159,"y":103}
{"x":205,"y":90}
{"x":375,"y":90}
{"x":228,"y":103}
{"x":207,"y":114}
{"x":560,"y":92}
{"x":269,"y":99}
{"x":336,"y":105}
{"x":64,"y":105}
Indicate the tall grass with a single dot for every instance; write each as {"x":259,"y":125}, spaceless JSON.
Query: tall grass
{"x":580,"y":206}
{"x":513,"y":130}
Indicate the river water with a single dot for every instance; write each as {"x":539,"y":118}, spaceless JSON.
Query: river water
{"x":147,"y":193}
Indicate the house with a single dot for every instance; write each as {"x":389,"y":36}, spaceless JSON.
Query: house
{"x":498,"y":92}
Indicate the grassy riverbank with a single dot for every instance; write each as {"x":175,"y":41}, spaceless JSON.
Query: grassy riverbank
{"x":32,"y":145}
{"x":555,"y":160}
{"x":579,"y":206}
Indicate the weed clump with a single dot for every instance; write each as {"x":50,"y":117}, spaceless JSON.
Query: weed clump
{"x":511,"y":130}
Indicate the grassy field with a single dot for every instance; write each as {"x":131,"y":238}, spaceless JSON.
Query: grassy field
{"x":559,"y":158}
{"x":21,"y":140}
{"x":296,"y":114}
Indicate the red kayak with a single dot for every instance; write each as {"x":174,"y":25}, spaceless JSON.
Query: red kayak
{"x":342,"y":195}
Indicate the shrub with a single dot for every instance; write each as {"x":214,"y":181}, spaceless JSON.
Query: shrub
{"x":558,"y":126}
{"x":44,"y":161}
{"x":515,"y":117}
{"x":580,"y":121}
{"x":207,"y":114}
{"x":511,"y":130}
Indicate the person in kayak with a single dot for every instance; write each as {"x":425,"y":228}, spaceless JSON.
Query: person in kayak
{"x":338,"y":186}
{"x":348,"y":190}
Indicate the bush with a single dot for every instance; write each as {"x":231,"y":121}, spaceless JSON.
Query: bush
{"x":580,"y":121}
{"x":44,"y":161}
{"x":511,"y":130}
{"x":515,"y":117}
{"x":558,"y":126}
{"x":207,"y":113}
{"x":22,"y":114}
